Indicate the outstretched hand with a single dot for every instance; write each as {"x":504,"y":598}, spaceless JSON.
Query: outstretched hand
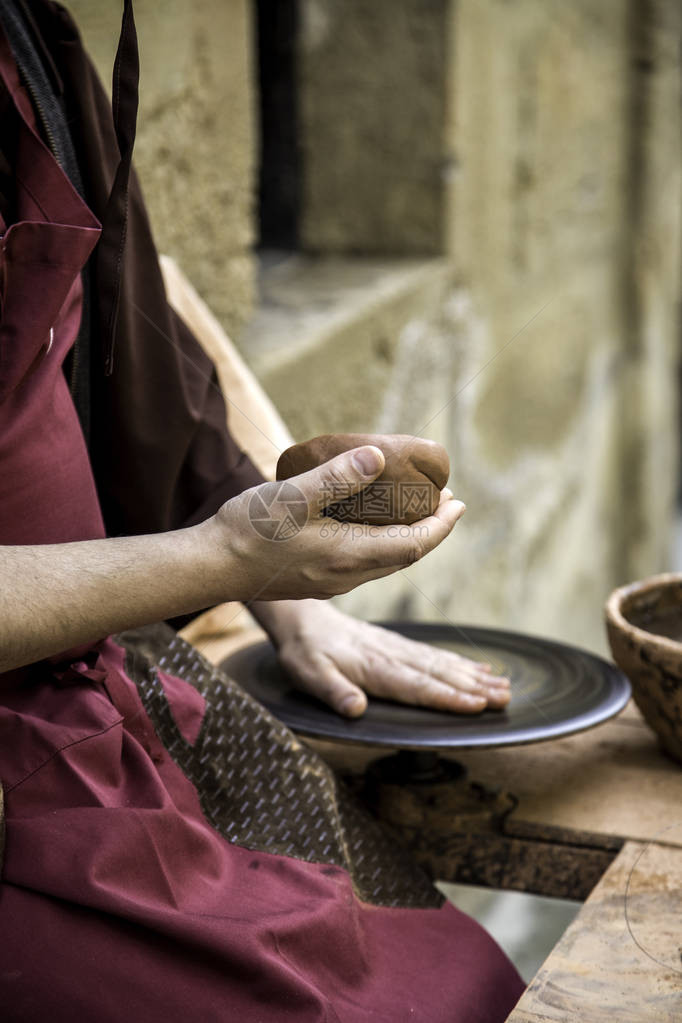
{"x":341,"y":660}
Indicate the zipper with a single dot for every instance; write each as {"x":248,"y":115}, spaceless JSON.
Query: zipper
{"x":44,"y":121}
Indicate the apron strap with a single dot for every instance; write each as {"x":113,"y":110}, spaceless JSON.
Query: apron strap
{"x":45,"y":88}
{"x":2,"y":828}
{"x":114,"y":221}
{"x":111,"y":245}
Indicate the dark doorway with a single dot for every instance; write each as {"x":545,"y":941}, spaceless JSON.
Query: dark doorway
{"x":280,"y":160}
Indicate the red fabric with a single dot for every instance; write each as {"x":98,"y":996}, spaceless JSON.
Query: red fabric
{"x":187,"y":705}
{"x":42,"y":453}
{"x":118,"y":901}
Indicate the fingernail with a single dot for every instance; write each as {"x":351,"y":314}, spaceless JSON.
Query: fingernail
{"x":351,"y":705}
{"x":460,"y":507}
{"x":448,"y":493}
{"x":368,"y":460}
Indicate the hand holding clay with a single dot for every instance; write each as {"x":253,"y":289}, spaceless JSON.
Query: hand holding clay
{"x":407,"y":490}
{"x":241,"y":542}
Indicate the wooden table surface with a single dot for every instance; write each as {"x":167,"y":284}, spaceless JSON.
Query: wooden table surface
{"x":595,"y":816}
{"x":619,"y":960}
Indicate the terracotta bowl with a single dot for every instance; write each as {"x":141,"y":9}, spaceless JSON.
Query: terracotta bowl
{"x":644,"y":624}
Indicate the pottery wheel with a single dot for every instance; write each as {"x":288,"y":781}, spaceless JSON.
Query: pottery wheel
{"x":556,"y":690}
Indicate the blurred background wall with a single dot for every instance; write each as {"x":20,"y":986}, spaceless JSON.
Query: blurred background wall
{"x":458,"y":219}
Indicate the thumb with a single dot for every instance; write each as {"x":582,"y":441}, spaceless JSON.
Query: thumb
{"x":340,"y":477}
{"x":338,"y":692}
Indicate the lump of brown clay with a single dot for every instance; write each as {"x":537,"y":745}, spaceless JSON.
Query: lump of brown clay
{"x":408,"y":489}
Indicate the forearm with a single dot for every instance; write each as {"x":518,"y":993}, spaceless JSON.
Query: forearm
{"x":54,"y":597}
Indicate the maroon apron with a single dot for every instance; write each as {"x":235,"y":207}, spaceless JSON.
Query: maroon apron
{"x":119,"y":899}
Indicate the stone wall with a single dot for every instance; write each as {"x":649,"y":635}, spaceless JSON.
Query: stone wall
{"x":542,"y":347}
{"x":490,"y":219}
{"x":196,"y":144}
{"x":372,"y":110}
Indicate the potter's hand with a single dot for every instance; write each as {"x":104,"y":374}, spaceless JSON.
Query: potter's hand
{"x":57,"y":596}
{"x":339,"y":659}
{"x":312,"y":559}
